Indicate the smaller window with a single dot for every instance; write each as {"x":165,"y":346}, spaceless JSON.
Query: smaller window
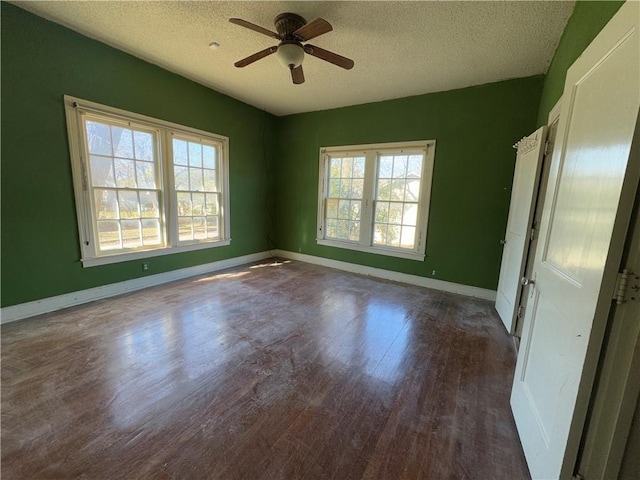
{"x":375,"y":198}
{"x":197,"y":192}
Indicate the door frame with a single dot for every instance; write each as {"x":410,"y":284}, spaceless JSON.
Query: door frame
{"x":545,"y":168}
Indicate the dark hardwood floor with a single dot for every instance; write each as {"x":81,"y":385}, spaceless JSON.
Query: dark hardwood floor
{"x":275,"y":371}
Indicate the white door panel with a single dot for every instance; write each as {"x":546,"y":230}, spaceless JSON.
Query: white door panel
{"x":523,"y":199}
{"x":589,"y":165}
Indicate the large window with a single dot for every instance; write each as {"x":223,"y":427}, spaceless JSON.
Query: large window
{"x":376,"y":197}
{"x":143,"y":186}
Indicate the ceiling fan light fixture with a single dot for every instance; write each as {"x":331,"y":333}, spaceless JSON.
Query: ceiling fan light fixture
{"x":290,"y":55}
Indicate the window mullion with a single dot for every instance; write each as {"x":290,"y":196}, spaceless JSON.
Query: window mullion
{"x":169,"y":197}
{"x":366,"y":222}
{"x":322,"y":195}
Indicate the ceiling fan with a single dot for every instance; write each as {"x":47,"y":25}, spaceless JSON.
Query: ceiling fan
{"x":292,"y":31}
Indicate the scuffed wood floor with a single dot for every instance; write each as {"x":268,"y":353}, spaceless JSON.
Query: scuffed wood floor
{"x":275,"y":371}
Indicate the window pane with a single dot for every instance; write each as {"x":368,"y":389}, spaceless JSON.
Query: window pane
{"x":195,"y":179}
{"x":102,"y":172}
{"x":344,"y":209}
{"x":195,"y":155}
{"x":212,"y":227}
{"x":384,"y":190}
{"x":180,"y":155}
{"x":407,"y":237}
{"x":358,"y":167}
{"x":125,"y":173}
{"x":355,"y":210}
{"x":109,"y":235}
{"x":128,"y":203}
{"x":343,"y":229}
{"x":395,"y":213}
{"x":149,"y":205}
{"x":412,"y":191}
{"x":184,"y":203}
{"x":414,"y":168}
{"x":208,"y":157}
{"x":210,"y":181}
{"x":332,"y":228}
{"x":410,"y":215}
{"x":393,"y":236}
{"x":385,"y":167}
{"x":98,"y":138}
{"x":143,"y":143}
{"x":347,"y":168}
{"x":131,"y":233}
{"x":151,"y":232}
{"x":211,"y":204}
{"x":380,"y":234}
{"x":197,"y":203}
{"x":397,"y":190}
{"x":357,"y":187}
{"x":185,"y":228}
{"x":332,"y":208}
{"x":334,"y":188}
{"x":181,"y":175}
{"x":145,"y":173}
{"x":382,"y":212}
{"x":354,"y":231}
{"x":336,"y":168}
{"x":400,"y":166}
{"x":122,"y":142}
{"x":345,"y":188}
{"x":199,"y":228}
{"x":106,"y":204}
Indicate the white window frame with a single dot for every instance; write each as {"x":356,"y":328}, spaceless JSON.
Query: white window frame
{"x":372,"y":152}
{"x":90,"y":255}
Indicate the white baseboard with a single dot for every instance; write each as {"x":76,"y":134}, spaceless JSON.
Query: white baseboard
{"x":390,"y":275}
{"x":51,"y":304}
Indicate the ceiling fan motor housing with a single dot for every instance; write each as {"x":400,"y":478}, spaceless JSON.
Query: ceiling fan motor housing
{"x":287,"y":23}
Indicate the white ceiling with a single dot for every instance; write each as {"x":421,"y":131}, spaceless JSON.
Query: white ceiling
{"x":399,"y":48}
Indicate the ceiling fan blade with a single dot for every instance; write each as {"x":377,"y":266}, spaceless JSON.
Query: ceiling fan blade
{"x":256,"y":56}
{"x":330,"y":57}
{"x":255,"y":28}
{"x":313,"y":29}
{"x":297,"y":75}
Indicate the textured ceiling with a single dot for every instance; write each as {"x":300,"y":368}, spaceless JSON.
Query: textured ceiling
{"x":399,"y":48}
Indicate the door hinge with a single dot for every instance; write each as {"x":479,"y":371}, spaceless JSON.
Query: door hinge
{"x":627,"y":287}
{"x":520,"y":311}
{"x":532,"y":236}
{"x":547,"y":147}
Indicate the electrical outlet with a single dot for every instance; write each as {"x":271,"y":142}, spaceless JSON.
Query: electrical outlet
{"x":145,"y":266}
{"x":433,"y":273}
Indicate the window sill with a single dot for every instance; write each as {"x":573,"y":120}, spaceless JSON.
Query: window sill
{"x":157,"y":252}
{"x":375,"y":250}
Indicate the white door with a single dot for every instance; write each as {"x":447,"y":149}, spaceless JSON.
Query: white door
{"x":577,"y":241}
{"x":524,"y":192}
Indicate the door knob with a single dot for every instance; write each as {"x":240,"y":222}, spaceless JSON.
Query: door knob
{"x":526,"y":281}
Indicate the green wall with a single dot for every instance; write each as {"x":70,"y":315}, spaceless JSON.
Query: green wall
{"x":585,"y":23}
{"x":474,"y":129}
{"x":42,"y":61}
